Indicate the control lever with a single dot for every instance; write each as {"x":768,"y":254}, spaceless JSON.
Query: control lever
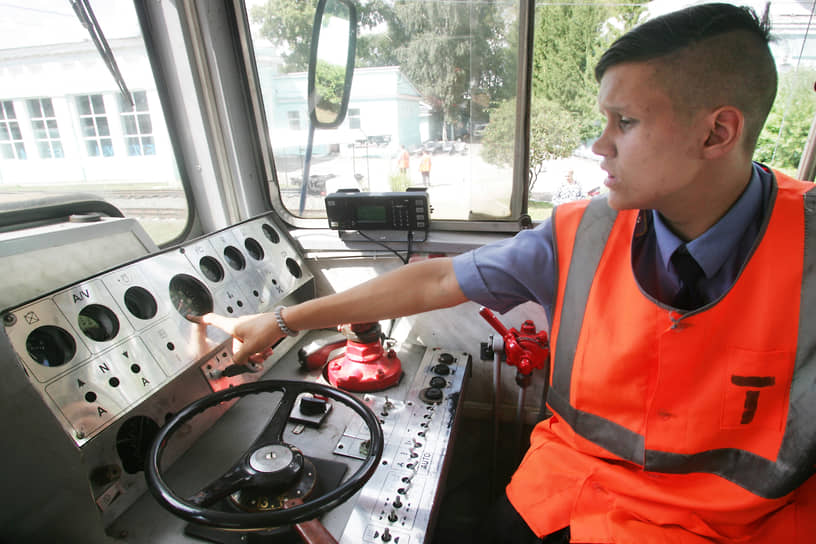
{"x":527,"y":350}
{"x":235,"y":370}
{"x":316,"y":354}
{"x":312,"y":531}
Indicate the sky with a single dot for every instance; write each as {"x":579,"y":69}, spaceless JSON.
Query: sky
{"x":26,"y":23}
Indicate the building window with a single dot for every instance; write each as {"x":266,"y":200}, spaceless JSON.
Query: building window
{"x":137,"y":126}
{"x":44,"y":124}
{"x":94,"y":125}
{"x":294,"y":120}
{"x":11,"y":140}
{"x":354,"y":117}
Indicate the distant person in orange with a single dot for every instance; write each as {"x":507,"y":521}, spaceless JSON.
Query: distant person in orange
{"x":425,"y":168}
{"x":404,"y":160}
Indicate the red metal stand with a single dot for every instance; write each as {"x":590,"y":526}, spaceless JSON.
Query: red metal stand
{"x":366,"y":365}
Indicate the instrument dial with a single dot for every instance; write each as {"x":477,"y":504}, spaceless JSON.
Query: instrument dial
{"x":189,"y":296}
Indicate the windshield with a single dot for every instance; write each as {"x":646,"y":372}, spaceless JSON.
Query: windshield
{"x":433,"y":100}
{"x":426,"y":76}
{"x":65,"y":126}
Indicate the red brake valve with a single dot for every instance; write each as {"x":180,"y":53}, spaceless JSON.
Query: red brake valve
{"x":526,"y":350}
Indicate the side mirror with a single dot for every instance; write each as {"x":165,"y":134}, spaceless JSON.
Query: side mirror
{"x":331,"y":67}
{"x":331,"y":62}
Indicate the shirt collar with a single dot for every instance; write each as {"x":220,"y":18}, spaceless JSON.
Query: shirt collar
{"x":711,"y":248}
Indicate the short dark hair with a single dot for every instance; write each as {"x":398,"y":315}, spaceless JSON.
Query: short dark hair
{"x":706,"y":55}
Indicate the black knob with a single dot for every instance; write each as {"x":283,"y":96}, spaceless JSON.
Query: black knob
{"x":438,"y":382}
{"x":442,"y":370}
{"x":433,"y":393}
{"x":446,"y":358}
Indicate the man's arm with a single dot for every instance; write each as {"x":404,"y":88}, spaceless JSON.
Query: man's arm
{"x":412,"y":289}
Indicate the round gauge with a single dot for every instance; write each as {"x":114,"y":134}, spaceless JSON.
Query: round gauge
{"x":254,"y":248}
{"x":50,"y":345}
{"x":98,"y":322}
{"x":211,"y":268}
{"x":234,"y":257}
{"x":270,"y":233}
{"x":140,"y":302}
{"x":189,"y":296}
{"x":294,"y":267}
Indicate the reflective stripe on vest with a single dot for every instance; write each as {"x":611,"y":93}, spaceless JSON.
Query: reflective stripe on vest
{"x":764,"y":477}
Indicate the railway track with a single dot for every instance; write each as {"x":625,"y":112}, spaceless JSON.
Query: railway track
{"x":155,"y":213}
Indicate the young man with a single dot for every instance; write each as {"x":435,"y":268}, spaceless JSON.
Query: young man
{"x":683,"y":372}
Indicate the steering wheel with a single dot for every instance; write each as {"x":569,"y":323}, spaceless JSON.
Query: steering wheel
{"x":268,"y":462}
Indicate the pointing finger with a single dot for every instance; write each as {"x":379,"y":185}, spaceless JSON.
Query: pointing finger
{"x":226,"y":324}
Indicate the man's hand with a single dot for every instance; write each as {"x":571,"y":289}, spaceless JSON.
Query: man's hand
{"x":252,"y":335}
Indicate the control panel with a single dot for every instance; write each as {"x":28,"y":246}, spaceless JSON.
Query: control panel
{"x":396,"y":503}
{"x":354,"y":210}
{"x":97,"y":348}
{"x":94,"y":369}
{"x":107,"y":359}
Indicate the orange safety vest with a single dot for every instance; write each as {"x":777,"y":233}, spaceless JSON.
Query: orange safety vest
{"x":678,"y":428}
{"x":425,"y":164}
{"x":404,"y":159}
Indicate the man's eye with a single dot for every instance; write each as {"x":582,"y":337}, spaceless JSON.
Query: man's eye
{"x":625,"y":122}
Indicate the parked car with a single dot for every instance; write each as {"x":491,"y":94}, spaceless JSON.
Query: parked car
{"x":478,"y":130}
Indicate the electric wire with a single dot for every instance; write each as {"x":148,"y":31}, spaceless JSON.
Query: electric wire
{"x":405,"y":259}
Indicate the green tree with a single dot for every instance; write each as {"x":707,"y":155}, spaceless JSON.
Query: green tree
{"x":783,"y":138}
{"x":288,"y":25}
{"x":451,"y":51}
{"x":329,"y":83}
{"x":569,"y":40}
{"x":552,"y":135}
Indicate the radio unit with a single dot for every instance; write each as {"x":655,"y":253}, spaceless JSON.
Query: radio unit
{"x":354,"y":210}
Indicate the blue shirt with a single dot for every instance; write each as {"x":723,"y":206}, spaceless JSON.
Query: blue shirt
{"x":507,"y":273}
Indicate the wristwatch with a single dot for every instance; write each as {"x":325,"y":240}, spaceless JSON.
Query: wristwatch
{"x":281,"y":323}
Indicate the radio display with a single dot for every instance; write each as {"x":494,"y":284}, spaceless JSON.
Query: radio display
{"x":370,"y":214}
{"x":397,"y":211}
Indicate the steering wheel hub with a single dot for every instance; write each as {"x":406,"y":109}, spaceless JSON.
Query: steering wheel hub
{"x":276,"y":458}
{"x":263,"y":499}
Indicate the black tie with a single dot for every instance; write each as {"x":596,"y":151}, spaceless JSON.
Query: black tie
{"x":689,"y":272}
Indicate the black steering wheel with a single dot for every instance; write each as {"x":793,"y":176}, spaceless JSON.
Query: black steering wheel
{"x":268,"y":462}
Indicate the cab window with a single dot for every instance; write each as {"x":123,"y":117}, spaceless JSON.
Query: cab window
{"x":66,"y":126}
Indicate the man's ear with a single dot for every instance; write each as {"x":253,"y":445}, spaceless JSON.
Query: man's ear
{"x":725,"y":126}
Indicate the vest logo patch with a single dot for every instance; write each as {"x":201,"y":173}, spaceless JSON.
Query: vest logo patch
{"x":756,"y":392}
{"x":752,"y":385}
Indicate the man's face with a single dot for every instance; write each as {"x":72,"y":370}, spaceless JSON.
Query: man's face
{"x":650,"y":154}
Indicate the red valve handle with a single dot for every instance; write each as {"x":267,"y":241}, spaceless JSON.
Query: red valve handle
{"x":528,"y":350}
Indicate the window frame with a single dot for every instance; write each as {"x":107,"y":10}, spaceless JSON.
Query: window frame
{"x":51,"y":142}
{"x":15,"y":145}
{"x":131,"y":115}
{"x":354,"y":118}
{"x":100,"y":141}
